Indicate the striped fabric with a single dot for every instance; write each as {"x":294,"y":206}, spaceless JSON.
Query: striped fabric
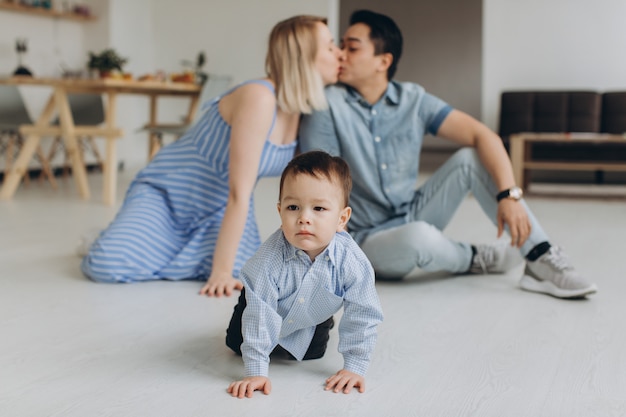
{"x":168,"y":224}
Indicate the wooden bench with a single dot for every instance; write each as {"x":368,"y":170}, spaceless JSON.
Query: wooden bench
{"x":521,"y":152}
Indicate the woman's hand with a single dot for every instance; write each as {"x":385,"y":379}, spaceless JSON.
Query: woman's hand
{"x":248,"y":385}
{"x":220,"y":284}
{"x":345,"y":380}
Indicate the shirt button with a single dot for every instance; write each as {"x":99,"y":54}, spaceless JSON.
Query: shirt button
{"x":386,"y":190}
{"x":377,"y":139}
{"x":374,"y":112}
{"x":290,"y":321}
{"x":384,"y":166}
{"x":327,"y":258}
{"x":301,"y":300}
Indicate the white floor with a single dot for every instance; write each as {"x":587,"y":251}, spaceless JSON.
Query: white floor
{"x":462,"y":346}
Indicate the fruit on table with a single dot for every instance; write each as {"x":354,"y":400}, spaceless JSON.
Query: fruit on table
{"x":185,"y":77}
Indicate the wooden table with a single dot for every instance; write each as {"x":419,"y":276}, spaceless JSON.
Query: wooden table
{"x":522,"y":158}
{"x":58,"y":104}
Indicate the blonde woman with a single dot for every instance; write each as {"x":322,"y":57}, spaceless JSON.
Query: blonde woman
{"x":189,"y":213}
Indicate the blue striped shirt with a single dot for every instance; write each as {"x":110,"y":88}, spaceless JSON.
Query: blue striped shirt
{"x":287,"y":295}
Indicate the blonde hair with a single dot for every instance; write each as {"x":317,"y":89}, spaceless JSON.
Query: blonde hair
{"x":290,"y":63}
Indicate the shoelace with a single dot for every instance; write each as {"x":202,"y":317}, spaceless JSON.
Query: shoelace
{"x":481,"y":263}
{"x":556,"y":258}
{"x":482,"y":258}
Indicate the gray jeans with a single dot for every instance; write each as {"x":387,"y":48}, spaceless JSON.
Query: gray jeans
{"x":420,"y":243}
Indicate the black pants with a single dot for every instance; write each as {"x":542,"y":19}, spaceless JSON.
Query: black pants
{"x":316,"y":349}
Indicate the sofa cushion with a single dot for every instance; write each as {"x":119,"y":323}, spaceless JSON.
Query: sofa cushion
{"x":614,"y":112}
{"x":516,"y":113}
{"x":584,"y":112}
{"x":549,"y":111}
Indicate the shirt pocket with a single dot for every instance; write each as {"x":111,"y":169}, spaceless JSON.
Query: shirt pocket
{"x":323,"y":304}
{"x":403,"y":153}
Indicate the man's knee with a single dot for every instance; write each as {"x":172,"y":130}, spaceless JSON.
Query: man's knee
{"x":468,"y":159}
{"x":466,"y":155}
{"x":397,"y":252}
{"x":414,"y":237}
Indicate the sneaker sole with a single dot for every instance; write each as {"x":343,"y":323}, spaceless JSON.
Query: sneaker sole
{"x":531,"y":284}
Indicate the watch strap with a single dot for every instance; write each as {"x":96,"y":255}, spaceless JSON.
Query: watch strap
{"x":514,"y":192}
{"x":503,"y":194}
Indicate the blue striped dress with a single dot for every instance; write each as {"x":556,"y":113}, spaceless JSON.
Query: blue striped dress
{"x":168,"y":225}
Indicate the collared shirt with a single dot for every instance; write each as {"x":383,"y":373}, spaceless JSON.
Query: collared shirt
{"x":288,"y":295}
{"x":381,"y":143}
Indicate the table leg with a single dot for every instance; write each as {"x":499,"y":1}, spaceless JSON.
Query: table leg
{"x":517,"y":158}
{"x":17,"y":171}
{"x":193,"y":109}
{"x":154,"y":144}
{"x":110,"y":162}
{"x":71,"y":144}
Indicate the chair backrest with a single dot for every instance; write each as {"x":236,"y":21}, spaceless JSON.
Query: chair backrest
{"x":87,"y":109}
{"x":13,"y":111}
{"x":214,"y":86}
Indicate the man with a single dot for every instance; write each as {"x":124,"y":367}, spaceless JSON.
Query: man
{"x":378,"y":125}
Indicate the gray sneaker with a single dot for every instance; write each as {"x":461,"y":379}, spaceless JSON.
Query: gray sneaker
{"x":495,"y":258}
{"x":552,"y":274}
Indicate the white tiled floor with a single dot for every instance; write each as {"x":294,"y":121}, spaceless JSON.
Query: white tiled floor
{"x":463,"y":346}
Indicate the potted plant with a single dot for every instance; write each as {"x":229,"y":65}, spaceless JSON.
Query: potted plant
{"x":106,"y":62}
{"x":193,"y":71}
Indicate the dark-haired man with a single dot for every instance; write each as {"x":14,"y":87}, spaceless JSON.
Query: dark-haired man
{"x":377,"y":125}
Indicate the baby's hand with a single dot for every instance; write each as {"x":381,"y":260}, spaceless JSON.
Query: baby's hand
{"x":248,"y":385}
{"x":345,"y":380}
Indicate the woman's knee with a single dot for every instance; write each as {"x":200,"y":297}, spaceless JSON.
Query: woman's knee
{"x":97,"y":272}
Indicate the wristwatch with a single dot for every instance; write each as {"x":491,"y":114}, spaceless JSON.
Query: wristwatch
{"x":514,"y":193}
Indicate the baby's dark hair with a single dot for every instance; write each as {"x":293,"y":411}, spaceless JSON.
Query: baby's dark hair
{"x":320,"y":164}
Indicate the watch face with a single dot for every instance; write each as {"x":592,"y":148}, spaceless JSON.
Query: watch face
{"x":516,"y":193}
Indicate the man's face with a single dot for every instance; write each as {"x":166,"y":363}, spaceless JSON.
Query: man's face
{"x":359,"y":65}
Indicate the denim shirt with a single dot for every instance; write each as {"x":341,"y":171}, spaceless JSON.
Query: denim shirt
{"x":381,"y":143}
{"x":287,"y":295}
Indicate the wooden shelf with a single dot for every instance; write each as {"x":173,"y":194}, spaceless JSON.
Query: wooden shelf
{"x":40,"y":11}
{"x":522,"y":158}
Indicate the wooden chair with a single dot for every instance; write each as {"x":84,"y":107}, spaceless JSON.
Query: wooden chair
{"x":87,"y":109}
{"x":215,"y":85}
{"x":13,"y":114}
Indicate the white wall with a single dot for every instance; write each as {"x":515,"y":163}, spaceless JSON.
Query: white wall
{"x":153,"y":34}
{"x":551,"y":44}
{"x":233,"y":34}
{"x":548,"y":44}
{"x":50,"y":43}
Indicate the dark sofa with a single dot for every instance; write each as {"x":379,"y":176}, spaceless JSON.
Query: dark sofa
{"x":566,"y":111}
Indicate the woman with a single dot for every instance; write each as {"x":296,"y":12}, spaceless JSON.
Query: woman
{"x":188,"y":214}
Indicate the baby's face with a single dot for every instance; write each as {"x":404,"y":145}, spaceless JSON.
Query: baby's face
{"x":311,"y":211}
